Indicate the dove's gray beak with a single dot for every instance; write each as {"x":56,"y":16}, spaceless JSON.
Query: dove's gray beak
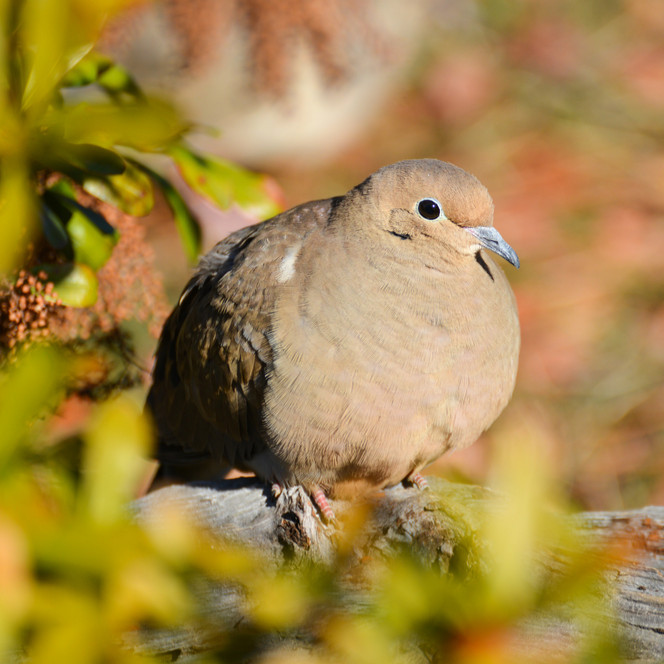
{"x":492,"y":240}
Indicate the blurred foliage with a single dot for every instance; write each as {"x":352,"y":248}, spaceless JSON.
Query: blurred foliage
{"x":81,"y":581}
{"x":46,"y":52}
{"x":76,"y":137}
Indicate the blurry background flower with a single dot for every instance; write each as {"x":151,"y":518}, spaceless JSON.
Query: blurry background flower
{"x":280,"y":79}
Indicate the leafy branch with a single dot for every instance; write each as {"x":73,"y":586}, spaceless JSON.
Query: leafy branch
{"x":77,"y":119}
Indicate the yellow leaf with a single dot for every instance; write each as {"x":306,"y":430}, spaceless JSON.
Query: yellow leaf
{"x":525,"y":521}
{"x":145,"y":590}
{"x":355,"y":639}
{"x":278,"y":602}
{"x":17,"y":212}
{"x":91,"y":247}
{"x":45,"y":28}
{"x":116,"y":445}
{"x":76,"y":286}
{"x":32,"y":385}
{"x":68,"y":627}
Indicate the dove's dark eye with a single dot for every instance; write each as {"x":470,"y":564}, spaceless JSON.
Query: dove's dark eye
{"x":430,"y":209}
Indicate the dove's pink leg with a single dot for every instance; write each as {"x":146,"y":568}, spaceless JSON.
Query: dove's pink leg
{"x":321,"y":501}
{"x":319,"y":498}
{"x":418,"y":481}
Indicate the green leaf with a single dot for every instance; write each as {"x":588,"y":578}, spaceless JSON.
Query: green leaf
{"x":52,"y":162}
{"x":96,"y":218}
{"x":99,"y":69}
{"x":54,"y":195}
{"x":31,"y":385}
{"x":54,"y":202}
{"x":118,"y":440}
{"x":94,"y":159}
{"x":223,"y":182}
{"x":117,"y":80}
{"x":130,"y":192}
{"x":74,"y":206}
{"x":44,"y":38}
{"x":50,"y":150}
{"x":62,"y":187}
{"x":84,"y":73}
{"x":74,"y":283}
{"x":18,"y":212}
{"x":185,"y":222}
{"x":53,"y":229}
{"x":148,"y":125}
{"x":91,"y":247}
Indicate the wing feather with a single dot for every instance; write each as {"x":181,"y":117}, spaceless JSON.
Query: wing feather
{"x":214,"y":351}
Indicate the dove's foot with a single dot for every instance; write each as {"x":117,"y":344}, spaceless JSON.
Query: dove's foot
{"x":417,"y":480}
{"x":320,"y":500}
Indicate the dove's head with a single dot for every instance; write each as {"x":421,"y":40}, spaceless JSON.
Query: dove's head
{"x":430,"y":205}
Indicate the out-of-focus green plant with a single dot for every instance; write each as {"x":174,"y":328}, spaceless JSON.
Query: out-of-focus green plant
{"x":46,"y":51}
{"x":75,"y":572}
{"x":80,"y":579}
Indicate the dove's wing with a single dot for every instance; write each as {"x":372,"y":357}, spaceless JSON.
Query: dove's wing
{"x":214,"y":351}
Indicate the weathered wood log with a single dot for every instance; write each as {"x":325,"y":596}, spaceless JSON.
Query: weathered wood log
{"x":288,"y":529}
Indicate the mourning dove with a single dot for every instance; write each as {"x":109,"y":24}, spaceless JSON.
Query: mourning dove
{"x":344,"y":344}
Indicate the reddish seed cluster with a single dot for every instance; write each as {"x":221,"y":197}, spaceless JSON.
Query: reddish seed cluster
{"x":129,"y":288}
{"x":26,"y":308}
